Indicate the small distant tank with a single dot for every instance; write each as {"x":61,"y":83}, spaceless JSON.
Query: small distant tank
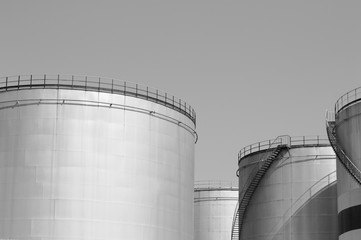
{"x":214,"y":208}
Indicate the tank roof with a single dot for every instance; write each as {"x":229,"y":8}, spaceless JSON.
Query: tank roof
{"x":96,"y":84}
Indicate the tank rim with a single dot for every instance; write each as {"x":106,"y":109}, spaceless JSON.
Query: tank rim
{"x":215,"y":186}
{"x":295,"y":142}
{"x":96,"y":84}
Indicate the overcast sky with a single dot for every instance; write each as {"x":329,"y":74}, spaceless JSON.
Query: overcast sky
{"x":252,"y":70}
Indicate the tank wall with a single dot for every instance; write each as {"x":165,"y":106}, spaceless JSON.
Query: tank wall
{"x":213,"y":214}
{"x":82,"y":171}
{"x":291,"y":201}
{"x":348,"y":132}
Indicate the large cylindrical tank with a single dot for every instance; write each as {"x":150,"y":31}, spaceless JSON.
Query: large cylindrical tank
{"x":214,"y":208}
{"x":348,"y":135}
{"x":295,"y":198}
{"x":92,"y":158}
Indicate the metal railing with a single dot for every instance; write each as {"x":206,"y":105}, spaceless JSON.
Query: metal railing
{"x":294,"y":141}
{"x":330,"y":116}
{"x":341,"y":155}
{"x":283,"y":140}
{"x":209,"y":186}
{"x":215,"y":185}
{"x":347,"y":99}
{"x":96,"y":84}
{"x":257,"y":172}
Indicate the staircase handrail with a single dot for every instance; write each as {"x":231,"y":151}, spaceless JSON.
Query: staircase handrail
{"x":277,"y":142}
{"x":282,"y":140}
{"x":341,"y":155}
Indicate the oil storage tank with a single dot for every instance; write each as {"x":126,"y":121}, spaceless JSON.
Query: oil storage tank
{"x":214,"y":208}
{"x":287,"y":190}
{"x":94,"y":158}
{"x":344,"y":130}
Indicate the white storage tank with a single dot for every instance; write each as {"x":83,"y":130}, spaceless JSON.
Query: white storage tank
{"x":287,"y":190}
{"x":214,"y":208}
{"x":94,"y":158}
{"x":345,"y":134}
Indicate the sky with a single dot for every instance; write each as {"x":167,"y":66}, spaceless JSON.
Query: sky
{"x":252,"y":70}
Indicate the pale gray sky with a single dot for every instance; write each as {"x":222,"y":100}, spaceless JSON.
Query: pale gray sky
{"x":252,"y":70}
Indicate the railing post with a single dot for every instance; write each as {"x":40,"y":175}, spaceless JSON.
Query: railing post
{"x":31,"y":81}
{"x":147,"y":93}
{"x":303,"y":140}
{"x":136,"y":90}
{"x":58,"y":81}
{"x":6,"y":84}
{"x":86,"y":82}
{"x":72,"y":81}
{"x":125,"y":88}
{"x":355,"y":93}
{"x":112,"y":85}
{"x":99,"y":86}
{"x":44,"y":80}
{"x":157,"y":95}
{"x":18,"y":81}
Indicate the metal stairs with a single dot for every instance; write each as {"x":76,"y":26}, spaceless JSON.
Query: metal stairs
{"x":350,"y":167}
{"x":235,"y":225}
{"x":249,"y":189}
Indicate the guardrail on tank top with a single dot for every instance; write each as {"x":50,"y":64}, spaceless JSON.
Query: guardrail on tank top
{"x":206,"y":185}
{"x":347,"y":99}
{"x":294,"y":141}
{"x":97,"y":84}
